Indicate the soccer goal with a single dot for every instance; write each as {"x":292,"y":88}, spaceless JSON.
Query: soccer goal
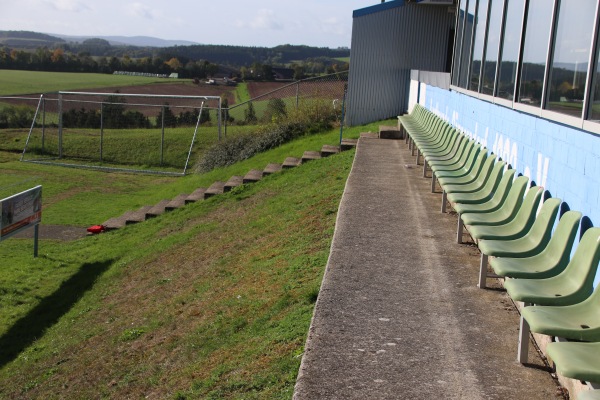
{"x":117,"y":131}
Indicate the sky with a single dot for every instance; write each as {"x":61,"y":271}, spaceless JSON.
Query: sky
{"x":268,"y":23}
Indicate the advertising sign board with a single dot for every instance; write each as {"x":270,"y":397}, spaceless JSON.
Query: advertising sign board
{"x":20,"y":211}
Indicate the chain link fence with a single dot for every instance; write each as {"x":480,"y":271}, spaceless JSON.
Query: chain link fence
{"x":108,"y":130}
{"x":321,"y":98}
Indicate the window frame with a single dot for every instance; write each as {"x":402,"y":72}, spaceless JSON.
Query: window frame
{"x":541,"y":111}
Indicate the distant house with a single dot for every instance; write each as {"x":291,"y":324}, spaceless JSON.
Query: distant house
{"x":174,"y":75}
{"x":283,"y":74}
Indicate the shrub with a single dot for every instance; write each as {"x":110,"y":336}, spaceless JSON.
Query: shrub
{"x":19,"y":116}
{"x":238,"y":148}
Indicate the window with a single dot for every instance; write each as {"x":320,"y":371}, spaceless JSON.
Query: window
{"x":510,"y":49}
{"x":594,"y":113}
{"x":535,"y":51}
{"x":460,"y":20}
{"x":478,"y":42}
{"x":466,"y":51}
{"x":568,"y":69}
{"x":493,"y":44}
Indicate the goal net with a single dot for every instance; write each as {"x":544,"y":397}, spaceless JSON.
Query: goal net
{"x":117,"y":131}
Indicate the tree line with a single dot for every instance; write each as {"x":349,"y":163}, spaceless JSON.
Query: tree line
{"x":201,"y":61}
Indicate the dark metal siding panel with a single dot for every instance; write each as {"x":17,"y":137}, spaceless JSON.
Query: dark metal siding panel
{"x":385,"y":47}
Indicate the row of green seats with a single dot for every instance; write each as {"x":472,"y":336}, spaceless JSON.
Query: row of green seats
{"x":513,"y":226}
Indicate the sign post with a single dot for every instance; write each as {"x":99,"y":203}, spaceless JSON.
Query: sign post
{"x":21,"y":211}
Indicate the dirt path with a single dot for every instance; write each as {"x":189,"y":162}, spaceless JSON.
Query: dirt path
{"x":55,"y":232}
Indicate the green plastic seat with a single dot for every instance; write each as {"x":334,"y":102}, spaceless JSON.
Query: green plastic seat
{"x":461,"y":162}
{"x":492,"y":195}
{"x":498,"y":197}
{"x":486,"y":192}
{"x":441,"y":144}
{"x":532,"y":243}
{"x":515,"y":227}
{"x":470,"y":183}
{"x":453,"y":153}
{"x":431,"y":133}
{"x":549,"y":262}
{"x":470,"y":160}
{"x":417,"y":124}
{"x":577,"y":361}
{"x":474,"y":180}
{"x":571,"y":286}
{"x":449,"y":154}
{"x":445,"y":150}
{"x":589,"y":395}
{"x":564,"y":306}
{"x":508,"y":209}
{"x":423,"y":128}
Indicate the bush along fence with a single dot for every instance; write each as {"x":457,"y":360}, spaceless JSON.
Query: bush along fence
{"x":319,"y":99}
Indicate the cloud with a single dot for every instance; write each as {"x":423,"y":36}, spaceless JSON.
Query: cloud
{"x":68,"y":5}
{"x":265,"y":19}
{"x":333,"y":26}
{"x":141,"y":11}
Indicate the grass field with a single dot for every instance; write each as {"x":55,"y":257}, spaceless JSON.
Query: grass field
{"x":211,"y":301}
{"x":29,"y":82}
{"x":83,"y":198}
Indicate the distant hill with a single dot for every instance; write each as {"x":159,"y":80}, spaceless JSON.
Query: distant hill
{"x":139,"y":41}
{"x":32,"y":40}
{"x":28,"y":40}
{"x":106,"y":54}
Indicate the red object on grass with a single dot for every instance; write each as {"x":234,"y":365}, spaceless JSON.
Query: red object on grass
{"x":96,"y":229}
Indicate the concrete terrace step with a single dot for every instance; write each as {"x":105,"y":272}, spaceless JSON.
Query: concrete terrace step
{"x":114,"y":223}
{"x":196,"y":195}
{"x":272,"y":168}
{"x":369,"y":135}
{"x":133,"y":217}
{"x":328,"y":150}
{"x":253,"y":176}
{"x":157,"y":209}
{"x":390,"y":132}
{"x":310,"y":155}
{"x":214,"y":189}
{"x":348,"y":144}
{"x":218,"y":187}
{"x":291,"y":162}
{"x":234,"y":181}
{"x":177,"y":202}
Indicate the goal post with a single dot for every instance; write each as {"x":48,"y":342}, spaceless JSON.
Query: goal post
{"x":121,"y":131}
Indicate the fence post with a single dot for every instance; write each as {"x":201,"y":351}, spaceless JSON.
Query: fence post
{"x":343,"y":116}
{"x":220,"y":119}
{"x":297,"y":94}
{"x":162,"y":136}
{"x":36,"y":235}
{"x":101,"y":130}
{"x":60,"y":125}
{"x":43,"y":122}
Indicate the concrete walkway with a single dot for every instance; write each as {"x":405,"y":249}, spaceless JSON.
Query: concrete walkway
{"x":399,"y":315}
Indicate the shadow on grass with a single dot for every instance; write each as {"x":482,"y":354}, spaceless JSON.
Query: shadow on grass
{"x":32,"y":326}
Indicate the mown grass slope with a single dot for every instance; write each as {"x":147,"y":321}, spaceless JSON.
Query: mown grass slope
{"x":84,"y":198}
{"x":210,"y":301}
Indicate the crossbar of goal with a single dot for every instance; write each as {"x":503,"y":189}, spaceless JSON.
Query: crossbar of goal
{"x":158,"y":96}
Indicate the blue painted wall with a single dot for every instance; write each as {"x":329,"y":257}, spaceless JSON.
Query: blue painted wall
{"x":563,"y":159}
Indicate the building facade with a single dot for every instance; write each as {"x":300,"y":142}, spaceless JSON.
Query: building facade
{"x":525,"y":83}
